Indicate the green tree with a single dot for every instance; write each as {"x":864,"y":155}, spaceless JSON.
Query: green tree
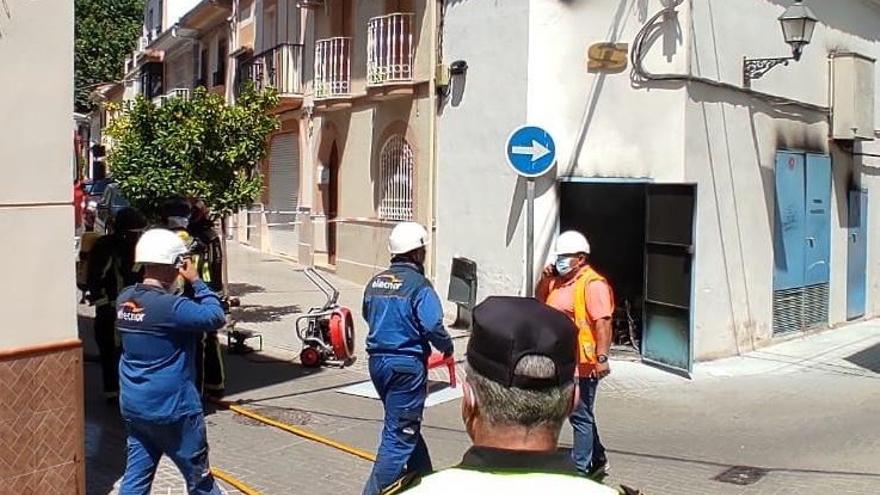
{"x":106,"y":31}
{"x":197,"y":147}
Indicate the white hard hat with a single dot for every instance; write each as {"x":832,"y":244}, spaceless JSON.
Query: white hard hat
{"x":571,"y":242}
{"x":159,"y":247}
{"x":406,"y":237}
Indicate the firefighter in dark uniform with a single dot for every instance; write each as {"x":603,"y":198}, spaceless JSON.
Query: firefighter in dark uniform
{"x":109,"y":270}
{"x":177,"y":214}
{"x":209,"y":253}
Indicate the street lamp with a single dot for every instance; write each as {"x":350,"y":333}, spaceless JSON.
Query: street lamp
{"x":798,"y":23}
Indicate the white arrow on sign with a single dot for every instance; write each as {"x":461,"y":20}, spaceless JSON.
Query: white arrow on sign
{"x":537,"y":150}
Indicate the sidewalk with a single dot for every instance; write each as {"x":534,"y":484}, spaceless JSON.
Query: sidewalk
{"x":802,"y":413}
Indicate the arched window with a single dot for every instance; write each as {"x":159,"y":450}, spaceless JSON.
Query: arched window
{"x":396,"y":180}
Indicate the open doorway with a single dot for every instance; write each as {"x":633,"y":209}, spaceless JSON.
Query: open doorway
{"x":642,"y":239}
{"x":612,"y":217}
{"x":332,"y":206}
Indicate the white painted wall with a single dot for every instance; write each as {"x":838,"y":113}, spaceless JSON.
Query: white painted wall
{"x":174,"y":10}
{"x":723,"y":140}
{"x":868,"y":170}
{"x":601,"y":125}
{"x":732,"y":140}
{"x":479,"y":198}
{"x":37,"y":297}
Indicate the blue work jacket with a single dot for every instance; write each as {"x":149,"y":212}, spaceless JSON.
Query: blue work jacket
{"x":404,"y":313}
{"x":159,"y":332}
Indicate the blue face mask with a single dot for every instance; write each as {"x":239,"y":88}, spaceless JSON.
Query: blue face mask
{"x":564,"y":265}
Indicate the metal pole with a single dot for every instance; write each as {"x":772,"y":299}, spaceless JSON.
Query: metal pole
{"x":530,"y":237}
{"x":225,"y":257}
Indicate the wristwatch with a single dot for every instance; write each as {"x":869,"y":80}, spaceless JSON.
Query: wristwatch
{"x":602,"y":358}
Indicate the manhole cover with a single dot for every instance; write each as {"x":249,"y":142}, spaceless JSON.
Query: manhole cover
{"x":741,"y":475}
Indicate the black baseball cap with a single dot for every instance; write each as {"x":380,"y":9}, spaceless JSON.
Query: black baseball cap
{"x":506,"y":329}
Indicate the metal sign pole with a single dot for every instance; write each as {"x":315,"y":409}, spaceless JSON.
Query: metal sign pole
{"x":530,"y":237}
{"x":531,"y":153}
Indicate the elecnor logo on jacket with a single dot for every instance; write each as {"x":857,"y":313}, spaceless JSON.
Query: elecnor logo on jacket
{"x":387,"y":282}
{"x":130,"y":311}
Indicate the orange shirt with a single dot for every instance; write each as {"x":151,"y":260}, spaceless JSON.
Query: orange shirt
{"x":599,"y":300}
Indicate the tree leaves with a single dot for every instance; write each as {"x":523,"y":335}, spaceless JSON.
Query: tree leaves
{"x":105,"y":33}
{"x":197,"y":147}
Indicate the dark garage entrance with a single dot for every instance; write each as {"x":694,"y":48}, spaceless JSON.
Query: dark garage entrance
{"x":641,"y":238}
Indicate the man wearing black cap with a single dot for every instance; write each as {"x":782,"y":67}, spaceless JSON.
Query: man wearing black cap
{"x":518,"y":391}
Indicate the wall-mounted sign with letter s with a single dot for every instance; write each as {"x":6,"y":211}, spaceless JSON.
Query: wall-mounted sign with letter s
{"x":610,"y":57}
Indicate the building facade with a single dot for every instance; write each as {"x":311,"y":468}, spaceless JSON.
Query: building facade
{"x":726,"y":213}
{"x":108,"y":103}
{"x":185,"y":45}
{"x":355,"y":151}
{"x":41,"y":368}
{"x":726,"y":216}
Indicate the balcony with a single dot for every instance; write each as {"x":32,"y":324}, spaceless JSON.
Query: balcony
{"x":279,"y":68}
{"x":174,"y":93}
{"x":332,"y":68}
{"x":390,"y":49}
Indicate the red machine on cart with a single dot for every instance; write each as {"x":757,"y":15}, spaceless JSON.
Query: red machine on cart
{"x":327,"y":332}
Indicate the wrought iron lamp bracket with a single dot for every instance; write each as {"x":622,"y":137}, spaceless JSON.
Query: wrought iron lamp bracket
{"x":755,"y":68}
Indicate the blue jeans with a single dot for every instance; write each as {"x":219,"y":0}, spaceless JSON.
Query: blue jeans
{"x":402,"y":383}
{"x":185,"y":441}
{"x":588,"y":452}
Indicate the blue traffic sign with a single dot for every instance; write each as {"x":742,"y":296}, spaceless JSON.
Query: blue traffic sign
{"x":531,"y":151}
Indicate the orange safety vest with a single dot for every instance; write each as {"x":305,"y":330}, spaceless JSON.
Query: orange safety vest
{"x":587,"y":359}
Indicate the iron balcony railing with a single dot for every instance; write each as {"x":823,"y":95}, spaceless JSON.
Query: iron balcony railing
{"x":279,"y":67}
{"x":333,"y":68}
{"x":390,"y":49}
{"x":174,"y":93}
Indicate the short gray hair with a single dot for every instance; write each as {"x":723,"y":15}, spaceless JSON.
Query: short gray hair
{"x":516,"y":406}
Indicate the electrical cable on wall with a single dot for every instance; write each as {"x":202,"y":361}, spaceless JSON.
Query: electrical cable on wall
{"x":640,"y":75}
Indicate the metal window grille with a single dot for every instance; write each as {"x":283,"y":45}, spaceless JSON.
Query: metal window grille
{"x":332,"y":67}
{"x":390,"y":49}
{"x":396,"y":180}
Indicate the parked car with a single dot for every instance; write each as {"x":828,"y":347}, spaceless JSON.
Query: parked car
{"x":94,"y":191}
{"x":111,"y":202}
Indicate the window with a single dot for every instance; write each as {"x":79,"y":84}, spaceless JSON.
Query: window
{"x":203,"y":68}
{"x":245,"y":13}
{"x":222,"y":53}
{"x":396,"y":180}
{"x":149,"y":25}
{"x":160,"y":22}
{"x":151,"y":79}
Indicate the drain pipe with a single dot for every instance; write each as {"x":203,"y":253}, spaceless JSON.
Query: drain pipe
{"x":432,"y":157}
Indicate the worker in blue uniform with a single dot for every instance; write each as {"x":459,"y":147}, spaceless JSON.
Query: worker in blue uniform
{"x":159,"y":402}
{"x":405,"y":318}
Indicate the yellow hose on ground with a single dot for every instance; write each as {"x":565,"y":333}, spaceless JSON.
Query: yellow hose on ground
{"x":363,"y":454}
{"x":234,"y":482}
